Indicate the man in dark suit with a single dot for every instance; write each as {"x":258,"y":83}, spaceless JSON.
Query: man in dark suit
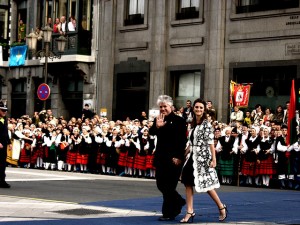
{"x":4,"y":141}
{"x":170,"y":130}
{"x":187,"y":110}
{"x":87,"y":112}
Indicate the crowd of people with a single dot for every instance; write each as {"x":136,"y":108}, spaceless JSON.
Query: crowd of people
{"x":188,"y":144}
{"x":88,"y":144}
{"x":250,"y":150}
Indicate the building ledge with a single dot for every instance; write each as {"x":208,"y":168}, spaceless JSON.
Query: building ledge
{"x":132,"y":28}
{"x":186,"y":42}
{"x":187,"y":22}
{"x":265,"y":36}
{"x":137,"y":46}
{"x":64,"y":58}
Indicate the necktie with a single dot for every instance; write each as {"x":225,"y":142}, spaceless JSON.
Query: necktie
{"x":2,"y":120}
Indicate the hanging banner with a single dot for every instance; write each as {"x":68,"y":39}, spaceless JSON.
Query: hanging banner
{"x":241,"y":95}
{"x":17,"y":55}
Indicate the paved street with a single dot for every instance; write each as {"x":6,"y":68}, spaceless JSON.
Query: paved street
{"x":40,"y":197}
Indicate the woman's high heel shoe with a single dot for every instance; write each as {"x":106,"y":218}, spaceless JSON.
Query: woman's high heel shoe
{"x":192,"y":215}
{"x":224,"y":216}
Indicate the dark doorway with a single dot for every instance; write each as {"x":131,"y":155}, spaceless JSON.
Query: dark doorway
{"x":131,"y":95}
{"x":18,"y":98}
{"x":131,"y":89}
{"x":72,"y":90}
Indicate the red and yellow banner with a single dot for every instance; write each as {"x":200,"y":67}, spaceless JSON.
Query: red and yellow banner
{"x":239,"y":94}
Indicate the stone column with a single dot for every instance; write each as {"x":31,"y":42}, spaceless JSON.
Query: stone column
{"x":105,"y":54}
{"x":214,"y":60}
{"x":158,"y":50}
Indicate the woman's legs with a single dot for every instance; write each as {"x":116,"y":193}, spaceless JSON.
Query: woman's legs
{"x":222,"y":211}
{"x":189,"y":198}
{"x":189,"y":191}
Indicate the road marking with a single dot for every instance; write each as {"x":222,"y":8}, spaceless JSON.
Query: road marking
{"x":20,"y":174}
{"x":38,"y":199}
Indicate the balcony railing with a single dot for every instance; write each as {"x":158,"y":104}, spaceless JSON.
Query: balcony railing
{"x":77,"y":43}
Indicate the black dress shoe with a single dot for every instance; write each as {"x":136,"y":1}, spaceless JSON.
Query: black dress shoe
{"x":166,"y":218}
{"x":4,"y":185}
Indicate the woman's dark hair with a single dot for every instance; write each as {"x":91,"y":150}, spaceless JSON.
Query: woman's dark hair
{"x":204,"y":116}
{"x":257,"y":105}
{"x":279,"y":106}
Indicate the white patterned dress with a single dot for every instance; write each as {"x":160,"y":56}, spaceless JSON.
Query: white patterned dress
{"x":196,"y":170}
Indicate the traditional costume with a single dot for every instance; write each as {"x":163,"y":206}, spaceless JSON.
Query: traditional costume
{"x":226,"y":148}
{"x":250,"y":151}
{"x":265,"y":165}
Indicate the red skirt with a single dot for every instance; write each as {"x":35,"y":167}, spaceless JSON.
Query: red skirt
{"x":25,"y":156}
{"x":37,"y":152}
{"x":140,"y":162}
{"x":248,"y":168}
{"x":71,"y":158}
{"x":82,"y":159}
{"x":266,"y":167}
{"x":130,"y":161}
{"x":149,"y":162}
{"x":101,"y":158}
{"x":122,"y":159}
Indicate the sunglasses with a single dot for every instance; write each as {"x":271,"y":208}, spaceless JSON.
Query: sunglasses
{"x":3,"y":110}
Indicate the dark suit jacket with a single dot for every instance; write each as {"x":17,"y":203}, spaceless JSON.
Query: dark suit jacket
{"x":171,"y":139}
{"x":4,"y":138}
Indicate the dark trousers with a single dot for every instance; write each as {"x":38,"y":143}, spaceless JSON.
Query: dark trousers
{"x":167,"y":177}
{"x":3,"y":154}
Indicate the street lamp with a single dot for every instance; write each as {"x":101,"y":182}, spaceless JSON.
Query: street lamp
{"x":46,"y":52}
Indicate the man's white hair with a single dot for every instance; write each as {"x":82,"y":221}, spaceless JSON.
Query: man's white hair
{"x":164,"y":99}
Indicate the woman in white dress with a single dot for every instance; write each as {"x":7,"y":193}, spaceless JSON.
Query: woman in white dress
{"x":199,"y":168}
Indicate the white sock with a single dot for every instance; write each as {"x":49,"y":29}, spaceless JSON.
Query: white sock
{"x":267,"y":180}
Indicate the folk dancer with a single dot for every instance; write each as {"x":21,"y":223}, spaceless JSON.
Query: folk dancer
{"x":265,"y":166}
{"x":250,"y":149}
{"x":10,"y":159}
{"x":282,"y":158}
{"x":113,"y":143}
{"x":26,"y":149}
{"x":103,"y":151}
{"x":38,"y":149}
{"x":84,"y":150}
{"x":73,"y":150}
{"x":140,"y":158}
{"x":226,"y":148}
{"x":150,"y":156}
{"x":63,"y":148}
{"x":131,"y":150}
